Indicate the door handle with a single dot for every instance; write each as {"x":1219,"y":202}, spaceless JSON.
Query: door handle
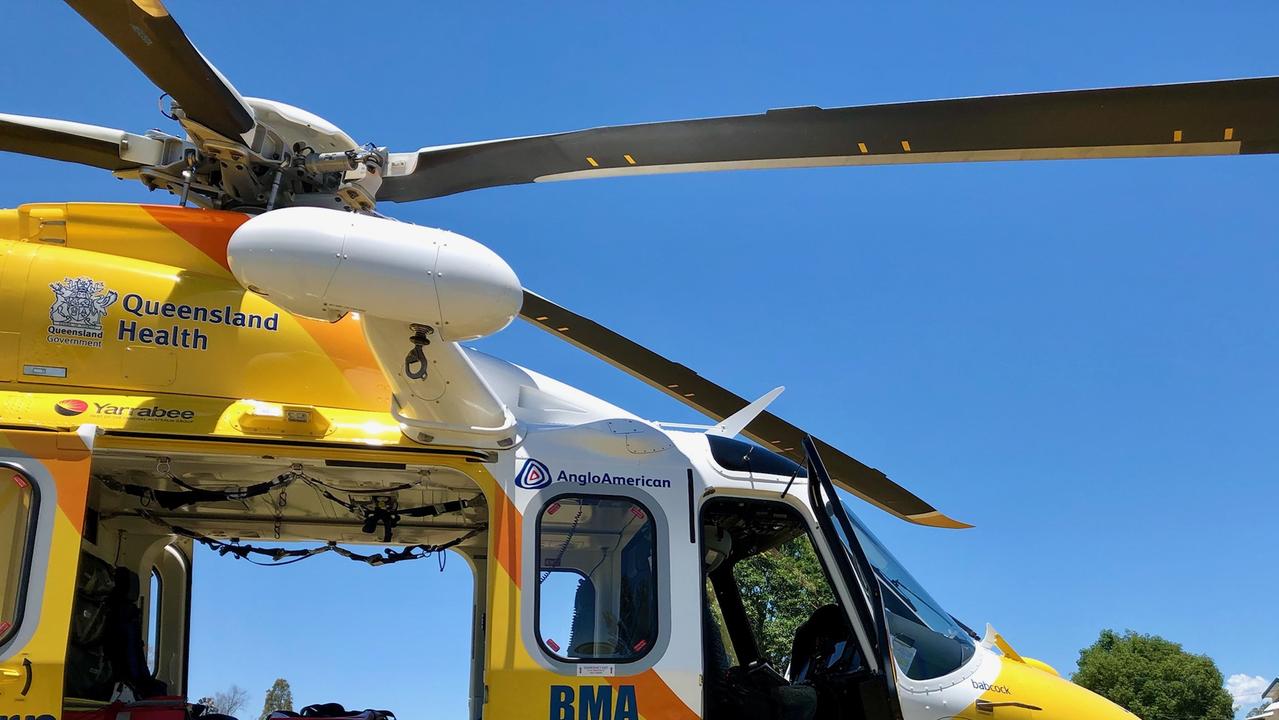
{"x":10,"y":675}
{"x":987,"y":706}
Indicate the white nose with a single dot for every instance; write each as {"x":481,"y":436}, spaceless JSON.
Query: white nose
{"x":323,"y":263}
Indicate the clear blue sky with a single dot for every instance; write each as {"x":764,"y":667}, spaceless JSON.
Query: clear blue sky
{"x":1078,"y":357}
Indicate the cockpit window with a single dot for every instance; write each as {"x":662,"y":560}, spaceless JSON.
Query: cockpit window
{"x":927,"y":642}
{"x":740,"y":456}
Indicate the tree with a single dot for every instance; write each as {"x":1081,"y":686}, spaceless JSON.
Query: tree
{"x":1154,"y":678}
{"x":780,"y":589}
{"x":229,"y":701}
{"x":279,"y":697}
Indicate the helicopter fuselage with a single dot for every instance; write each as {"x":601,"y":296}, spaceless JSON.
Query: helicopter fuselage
{"x":144,"y":390}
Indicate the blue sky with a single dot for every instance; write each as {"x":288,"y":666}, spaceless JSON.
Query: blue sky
{"x":1077,"y":357}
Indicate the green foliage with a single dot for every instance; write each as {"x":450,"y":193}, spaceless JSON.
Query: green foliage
{"x":780,"y":588}
{"x":279,"y":697}
{"x":1154,"y":678}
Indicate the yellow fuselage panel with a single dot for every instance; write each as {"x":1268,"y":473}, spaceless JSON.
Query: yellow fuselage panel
{"x":139,"y":299}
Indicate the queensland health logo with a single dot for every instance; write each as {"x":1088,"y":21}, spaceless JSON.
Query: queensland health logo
{"x":533,"y":476}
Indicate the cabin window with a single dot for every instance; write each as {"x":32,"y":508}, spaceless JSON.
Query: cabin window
{"x":153,"y":621}
{"x":19,"y":503}
{"x":596,"y":593}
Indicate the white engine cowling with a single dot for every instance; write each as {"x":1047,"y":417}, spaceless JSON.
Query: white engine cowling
{"x":323,"y":263}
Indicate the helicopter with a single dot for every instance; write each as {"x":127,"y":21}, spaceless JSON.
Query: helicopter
{"x":284,"y":363}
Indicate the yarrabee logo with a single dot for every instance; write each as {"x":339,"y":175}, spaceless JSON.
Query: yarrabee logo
{"x":70,"y":407}
{"x":75,"y":317}
{"x":533,"y":476}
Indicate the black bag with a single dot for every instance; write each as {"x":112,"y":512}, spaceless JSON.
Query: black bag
{"x":89,"y":673}
{"x":94,"y":584}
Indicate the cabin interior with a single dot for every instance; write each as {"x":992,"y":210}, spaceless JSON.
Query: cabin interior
{"x":130,"y":632}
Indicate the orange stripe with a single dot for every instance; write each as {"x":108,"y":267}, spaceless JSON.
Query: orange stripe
{"x":67,"y":460}
{"x":658,"y":700}
{"x":207,"y":230}
{"x":343,"y":342}
{"x":506,"y":525}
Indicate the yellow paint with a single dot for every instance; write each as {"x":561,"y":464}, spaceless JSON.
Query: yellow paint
{"x":1176,"y":136}
{"x":906,"y":145}
{"x":1230,"y":134}
{"x":154,"y":8}
{"x":862,"y":146}
{"x":629,"y":159}
{"x":150,"y":256}
{"x":1041,"y":665}
{"x":234,"y":397}
{"x":1007,"y":649}
{"x":64,"y":457}
{"x":1058,"y":699}
{"x":591,"y":160}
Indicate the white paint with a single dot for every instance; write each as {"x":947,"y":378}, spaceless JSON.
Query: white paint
{"x":324,"y":263}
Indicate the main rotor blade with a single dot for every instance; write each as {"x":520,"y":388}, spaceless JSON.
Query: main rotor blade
{"x":710,"y":399}
{"x":1225,"y":117}
{"x":94,"y":145}
{"x":145,"y":32}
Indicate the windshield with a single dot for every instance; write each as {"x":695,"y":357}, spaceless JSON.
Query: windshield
{"x":927,"y":642}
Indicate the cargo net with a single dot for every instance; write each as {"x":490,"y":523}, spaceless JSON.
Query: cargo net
{"x":288,"y":556}
{"x":373,"y":518}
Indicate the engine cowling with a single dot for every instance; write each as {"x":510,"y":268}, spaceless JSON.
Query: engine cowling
{"x":322,"y":264}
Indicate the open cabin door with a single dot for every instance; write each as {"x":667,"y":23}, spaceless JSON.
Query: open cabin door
{"x":44,"y":479}
{"x":876,"y":694}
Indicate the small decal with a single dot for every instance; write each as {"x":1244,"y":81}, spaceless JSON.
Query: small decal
{"x":20,"y":481}
{"x":533,"y":476}
{"x":552,"y":645}
{"x":992,"y":688}
{"x":593,"y":702}
{"x":159,"y":413}
{"x":585,"y":670}
{"x":70,"y":407}
{"x":56,"y":371}
{"x":4,"y":626}
{"x":75,"y":317}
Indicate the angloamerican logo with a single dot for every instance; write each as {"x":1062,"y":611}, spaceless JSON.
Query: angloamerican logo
{"x":533,"y":476}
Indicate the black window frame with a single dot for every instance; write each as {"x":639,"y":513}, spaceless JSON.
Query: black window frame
{"x":537,"y":588}
{"x":733,"y":455}
{"x":23,"y":583}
